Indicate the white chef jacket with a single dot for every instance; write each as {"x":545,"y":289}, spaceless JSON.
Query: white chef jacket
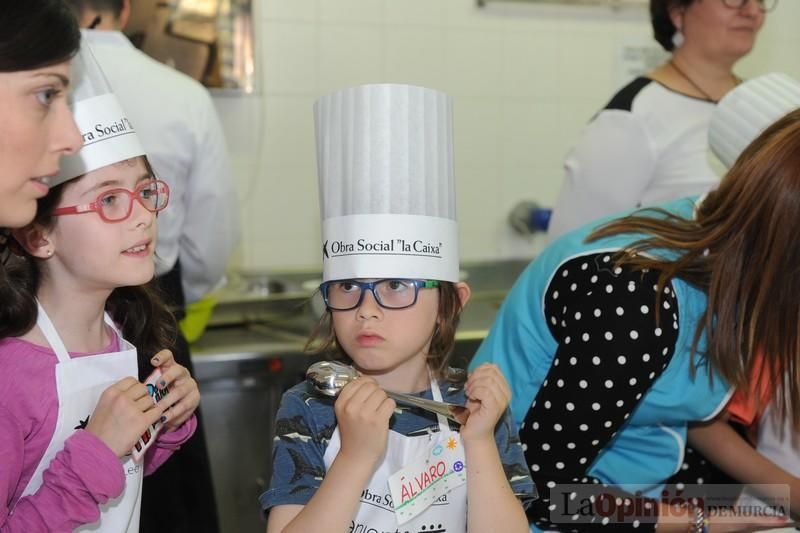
{"x":648,"y":146}
{"x":182,"y":136}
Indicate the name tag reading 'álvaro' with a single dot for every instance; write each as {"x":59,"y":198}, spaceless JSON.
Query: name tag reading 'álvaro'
{"x":415,"y":487}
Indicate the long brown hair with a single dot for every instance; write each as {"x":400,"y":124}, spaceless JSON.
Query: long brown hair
{"x":323,"y":338}
{"x":741,"y":249}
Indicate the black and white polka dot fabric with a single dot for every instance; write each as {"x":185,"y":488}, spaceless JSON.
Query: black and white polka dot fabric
{"x":611,"y":348}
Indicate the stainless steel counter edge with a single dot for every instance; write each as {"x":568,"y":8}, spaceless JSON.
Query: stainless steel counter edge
{"x":287,"y":349}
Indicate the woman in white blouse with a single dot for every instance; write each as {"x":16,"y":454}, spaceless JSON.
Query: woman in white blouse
{"x":649,"y":144}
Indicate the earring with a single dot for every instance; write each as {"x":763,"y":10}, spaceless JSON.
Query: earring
{"x":49,"y":253}
{"x":678,"y":39}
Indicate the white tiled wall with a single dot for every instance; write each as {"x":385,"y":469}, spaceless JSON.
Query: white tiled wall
{"x":524,"y":80}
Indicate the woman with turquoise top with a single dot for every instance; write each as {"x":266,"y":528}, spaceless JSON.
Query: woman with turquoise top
{"x":621,"y":334}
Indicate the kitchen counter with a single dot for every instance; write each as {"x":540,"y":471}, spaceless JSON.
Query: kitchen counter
{"x":259,"y":339}
{"x":271,"y":315}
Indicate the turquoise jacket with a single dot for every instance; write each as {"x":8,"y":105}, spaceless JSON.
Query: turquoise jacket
{"x":649,"y":448}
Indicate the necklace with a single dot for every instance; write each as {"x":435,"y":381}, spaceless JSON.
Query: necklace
{"x":736,"y":81}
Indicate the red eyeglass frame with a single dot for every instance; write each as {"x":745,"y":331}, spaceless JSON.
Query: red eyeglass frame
{"x":94,"y":207}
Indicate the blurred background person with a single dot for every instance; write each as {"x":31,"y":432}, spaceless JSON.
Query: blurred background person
{"x":183,"y":139}
{"x":649,"y":144}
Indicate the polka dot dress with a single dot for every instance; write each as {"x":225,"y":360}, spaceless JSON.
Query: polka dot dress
{"x":610,"y":350}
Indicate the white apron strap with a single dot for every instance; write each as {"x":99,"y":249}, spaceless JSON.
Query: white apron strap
{"x":53,"y":338}
{"x":444,"y":427}
{"x":113,"y":326}
{"x":50,"y":333}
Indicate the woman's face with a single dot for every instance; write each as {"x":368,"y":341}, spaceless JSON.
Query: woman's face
{"x":36,"y":128}
{"x":718,"y":31}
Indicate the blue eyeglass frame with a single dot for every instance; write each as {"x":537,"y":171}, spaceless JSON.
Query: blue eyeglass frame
{"x":370,"y":286}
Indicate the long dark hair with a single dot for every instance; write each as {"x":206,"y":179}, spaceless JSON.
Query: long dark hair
{"x":323,"y":338}
{"x":36,"y":34}
{"x":741,"y":249}
{"x":139,"y":311}
{"x":663,"y":28}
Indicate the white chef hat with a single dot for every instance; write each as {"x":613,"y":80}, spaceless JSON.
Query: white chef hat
{"x":386,"y":183}
{"x":748,"y":110}
{"x":108,"y":135}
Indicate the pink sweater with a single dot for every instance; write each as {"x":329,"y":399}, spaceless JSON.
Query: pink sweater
{"x":83,"y":475}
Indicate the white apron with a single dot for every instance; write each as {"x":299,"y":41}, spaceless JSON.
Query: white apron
{"x":79,"y":383}
{"x":376,"y":512}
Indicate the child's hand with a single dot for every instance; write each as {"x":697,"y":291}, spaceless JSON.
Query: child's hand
{"x":124,"y":411}
{"x":488,"y":396}
{"x":363,"y":411}
{"x":183,"y":397}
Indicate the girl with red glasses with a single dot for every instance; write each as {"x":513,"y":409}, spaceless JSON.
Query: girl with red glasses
{"x":80,"y":329}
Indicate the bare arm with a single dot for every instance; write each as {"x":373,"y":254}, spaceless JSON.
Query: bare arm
{"x":723,"y":446}
{"x":679,"y":521}
{"x":492,"y":505}
{"x":362,"y":414}
{"x":736,"y":457}
{"x":334,"y":504}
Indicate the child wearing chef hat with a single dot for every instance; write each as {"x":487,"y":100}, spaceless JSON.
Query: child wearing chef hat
{"x":393,"y":297}
{"x":79,"y":326}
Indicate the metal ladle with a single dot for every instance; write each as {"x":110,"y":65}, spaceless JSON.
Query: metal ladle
{"x":329,"y":377}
